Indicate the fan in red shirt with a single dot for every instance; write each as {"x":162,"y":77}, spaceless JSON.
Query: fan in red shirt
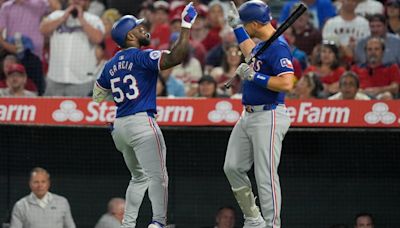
{"x":328,"y":67}
{"x":160,"y":27}
{"x":378,"y":80}
{"x":216,"y":22}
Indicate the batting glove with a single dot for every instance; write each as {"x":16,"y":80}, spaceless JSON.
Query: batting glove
{"x":233,"y":16}
{"x":245,"y":72}
{"x":189,"y":14}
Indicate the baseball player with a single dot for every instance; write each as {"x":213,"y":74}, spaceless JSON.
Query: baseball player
{"x":131,"y":77}
{"x":257,"y":136}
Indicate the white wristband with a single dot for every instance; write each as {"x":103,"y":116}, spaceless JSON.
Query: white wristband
{"x":185,"y":24}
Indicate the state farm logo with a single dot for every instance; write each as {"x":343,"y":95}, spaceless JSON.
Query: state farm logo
{"x":68,"y":111}
{"x":380,"y":113}
{"x":223,"y":112}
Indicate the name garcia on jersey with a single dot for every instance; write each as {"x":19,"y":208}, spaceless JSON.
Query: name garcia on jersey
{"x":121,"y":65}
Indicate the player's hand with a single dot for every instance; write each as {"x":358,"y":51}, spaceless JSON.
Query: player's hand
{"x":245,"y":72}
{"x":233,"y":16}
{"x":189,"y":15}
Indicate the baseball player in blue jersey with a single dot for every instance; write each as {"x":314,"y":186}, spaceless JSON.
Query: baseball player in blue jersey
{"x":257,"y":136}
{"x":131,"y":77}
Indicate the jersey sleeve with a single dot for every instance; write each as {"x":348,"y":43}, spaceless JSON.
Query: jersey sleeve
{"x":102,"y":81}
{"x":149,"y":59}
{"x":280,"y":59}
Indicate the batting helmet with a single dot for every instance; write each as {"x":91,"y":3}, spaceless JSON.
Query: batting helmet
{"x":121,"y":28}
{"x":255,"y":10}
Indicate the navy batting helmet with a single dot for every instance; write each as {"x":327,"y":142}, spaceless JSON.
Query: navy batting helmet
{"x":121,"y":28}
{"x":255,"y":10}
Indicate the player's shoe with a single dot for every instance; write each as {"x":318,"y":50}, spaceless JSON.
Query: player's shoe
{"x":155,"y":224}
{"x":255,"y":223}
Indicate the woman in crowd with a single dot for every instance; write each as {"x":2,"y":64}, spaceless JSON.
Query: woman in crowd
{"x":232,"y":59}
{"x":327,"y":67}
{"x":393,"y":16}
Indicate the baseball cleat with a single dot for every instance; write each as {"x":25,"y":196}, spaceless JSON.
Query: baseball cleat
{"x":155,"y":224}
{"x":255,"y":223}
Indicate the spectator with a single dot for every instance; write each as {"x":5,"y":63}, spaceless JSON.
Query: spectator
{"x":207,"y":87}
{"x":309,"y":86}
{"x":115,"y":214}
{"x":225,"y":218}
{"x":16,"y":79}
{"x":23,"y":18}
{"x":174,"y":87}
{"x":109,"y":17}
{"x":369,"y":7}
{"x":215,"y":23}
{"x":189,"y":72}
{"x":347,"y":28}
{"x":377,"y":23}
{"x":393,"y":16}
{"x":217,"y":54}
{"x":32,"y":63}
{"x":321,"y":11}
{"x":378,"y":80}
{"x":327,"y":67}
{"x":364,"y":220}
{"x":306,"y":35}
{"x":146,"y":10}
{"x":199,"y":29}
{"x":232,"y":59}
{"x":348,"y":88}
{"x":7,"y":62}
{"x":96,"y":7}
{"x":160,"y":26}
{"x":73,"y":35}
{"x":41,"y":208}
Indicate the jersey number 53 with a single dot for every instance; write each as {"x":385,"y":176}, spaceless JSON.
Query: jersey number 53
{"x":133,"y":92}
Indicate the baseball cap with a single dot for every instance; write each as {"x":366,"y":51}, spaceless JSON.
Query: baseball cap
{"x":161,"y":5}
{"x":15,"y":67}
{"x":395,"y":3}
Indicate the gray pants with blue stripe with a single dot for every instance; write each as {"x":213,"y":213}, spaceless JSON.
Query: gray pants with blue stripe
{"x":142,"y":144}
{"x":257,"y":138}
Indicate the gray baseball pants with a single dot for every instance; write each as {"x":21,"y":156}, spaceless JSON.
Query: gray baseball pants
{"x":257,"y":138}
{"x":142,"y":144}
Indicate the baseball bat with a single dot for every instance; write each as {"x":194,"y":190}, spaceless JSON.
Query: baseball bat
{"x":279,"y":31}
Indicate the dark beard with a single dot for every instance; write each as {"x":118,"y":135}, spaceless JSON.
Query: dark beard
{"x":372,"y":59}
{"x":145,"y":41}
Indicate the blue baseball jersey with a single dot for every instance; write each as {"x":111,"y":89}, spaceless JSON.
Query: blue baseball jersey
{"x":132,"y":75}
{"x":274,"y":61}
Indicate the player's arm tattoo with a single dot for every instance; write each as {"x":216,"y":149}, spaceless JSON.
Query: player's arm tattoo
{"x":178,"y":51}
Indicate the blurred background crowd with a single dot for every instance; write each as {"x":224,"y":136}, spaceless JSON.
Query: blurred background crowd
{"x":343,"y":49}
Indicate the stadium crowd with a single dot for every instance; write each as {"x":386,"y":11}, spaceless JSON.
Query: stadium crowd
{"x":343,"y":49}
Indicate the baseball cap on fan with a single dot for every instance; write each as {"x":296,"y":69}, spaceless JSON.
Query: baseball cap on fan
{"x":15,"y":68}
{"x":161,"y":5}
{"x":394,"y":3}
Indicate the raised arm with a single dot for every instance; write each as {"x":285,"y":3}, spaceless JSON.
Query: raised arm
{"x":245,"y":43}
{"x":48,"y":25}
{"x":95,"y":35}
{"x":181,"y":47}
